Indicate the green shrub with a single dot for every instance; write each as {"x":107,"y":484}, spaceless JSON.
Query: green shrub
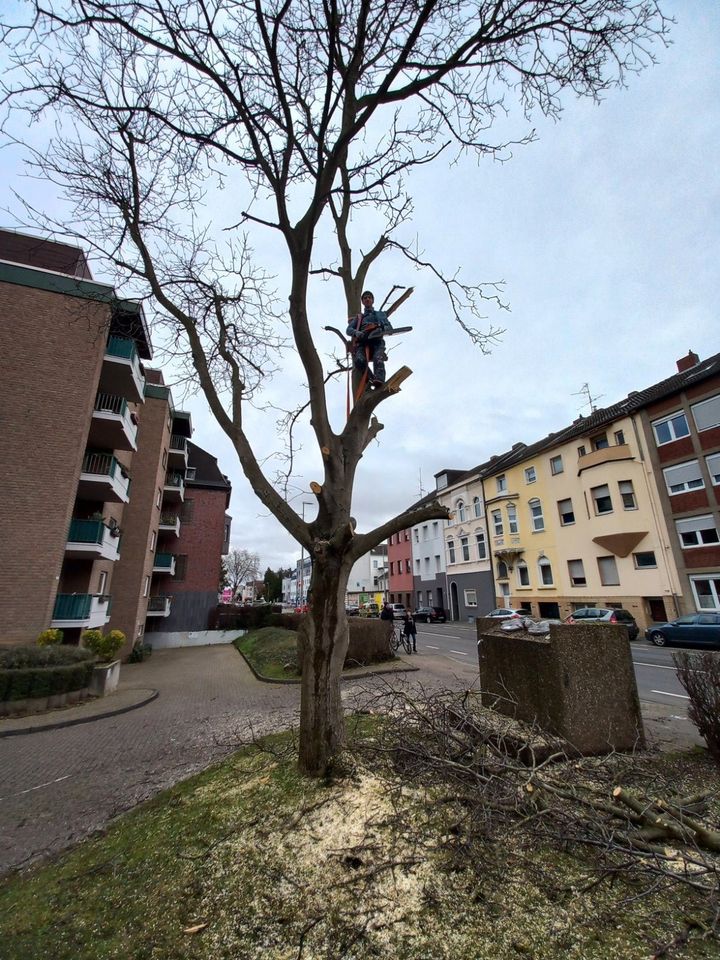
{"x":140,"y":652}
{"x":27,"y":672}
{"x":699,"y":672}
{"x":49,"y":637}
{"x":104,"y":647}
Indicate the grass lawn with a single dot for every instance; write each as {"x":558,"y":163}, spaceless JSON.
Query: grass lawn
{"x":249,"y":860}
{"x":272,"y":652}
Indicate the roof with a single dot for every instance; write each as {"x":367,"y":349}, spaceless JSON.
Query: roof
{"x":635,"y":400}
{"x":207,"y":472}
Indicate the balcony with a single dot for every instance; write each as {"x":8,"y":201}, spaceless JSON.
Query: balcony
{"x":122,"y":373}
{"x":83,"y":610}
{"x":164,"y":563}
{"x":178,"y":452}
{"x":596,"y":458}
{"x":174,"y":489}
{"x":169,"y":523}
{"x":113,"y":425}
{"x":103,"y":478}
{"x":159,"y":606}
{"x":512,"y":540}
{"x":92,"y":540}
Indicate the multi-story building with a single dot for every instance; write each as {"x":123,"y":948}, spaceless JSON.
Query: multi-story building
{"x":468,"y":569}
{"x":617,"y":509}
{"x":428,"y":553}
{"x":87,"y":448}
{"x":400,"y":574}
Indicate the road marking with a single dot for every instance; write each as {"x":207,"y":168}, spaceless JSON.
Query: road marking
{"x":431,"y":647}
{"x":446,"y":636}
{"x":38,"y":787}
{"x":461,"y":653}
{"x":655,"y":666}
{"x":680,"y":696}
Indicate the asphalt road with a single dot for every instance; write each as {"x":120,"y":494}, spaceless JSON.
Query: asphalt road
{"x":656,"y":678}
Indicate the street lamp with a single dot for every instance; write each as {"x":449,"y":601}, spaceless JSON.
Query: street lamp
{"x":305,"y":503}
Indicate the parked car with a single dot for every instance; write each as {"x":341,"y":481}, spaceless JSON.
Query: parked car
{"x":429,"y":615}
{"x":605,"y":615}
{"x":352,"y":610}
{"x":398,"y":610}
{"x":696,"y":628}
{"x":505,"y":613}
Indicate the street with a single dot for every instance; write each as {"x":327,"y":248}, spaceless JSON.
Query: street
{"x":656,"y":678}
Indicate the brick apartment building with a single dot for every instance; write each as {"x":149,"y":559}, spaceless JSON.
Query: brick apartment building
{"x":87,"y":448}
{"x":400,"y":573}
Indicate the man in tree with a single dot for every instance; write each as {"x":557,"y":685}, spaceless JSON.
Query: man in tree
{"x":368,"y":346}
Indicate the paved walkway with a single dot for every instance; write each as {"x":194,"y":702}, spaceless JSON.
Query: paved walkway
{"x":62,"y":783}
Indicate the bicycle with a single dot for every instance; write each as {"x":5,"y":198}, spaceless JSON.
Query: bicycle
{"x":398,"y":640}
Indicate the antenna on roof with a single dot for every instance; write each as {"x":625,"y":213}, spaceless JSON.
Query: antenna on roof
{"x":584,"y":391}
{"x":422,"y":489}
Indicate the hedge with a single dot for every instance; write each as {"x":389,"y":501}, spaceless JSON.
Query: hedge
{"x":30,"y":672}
{"x":229,"y":617}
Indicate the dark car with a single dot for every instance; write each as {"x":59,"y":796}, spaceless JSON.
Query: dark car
{"x":430,"y":615}
{"x":695,"y":628}
{"x":606,"y":615}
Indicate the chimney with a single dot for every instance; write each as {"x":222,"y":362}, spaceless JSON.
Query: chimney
{"x":684,"y":363}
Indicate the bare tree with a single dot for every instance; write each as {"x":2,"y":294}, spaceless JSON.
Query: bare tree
{"x":305,"y":113}
{"x":240,"y":566}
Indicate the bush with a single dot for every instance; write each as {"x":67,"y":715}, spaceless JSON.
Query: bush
{"x":104,"y":647}
{"x":29,"y":672}
{"x":230,"y":617}
{"x":49,"y":637}
{"x":699,"y":673}
{"x":140,"y":652}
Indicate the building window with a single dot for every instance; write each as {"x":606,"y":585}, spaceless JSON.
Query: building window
{"x":417,"y":535}
{"x":427,"y":567}
{"x":408,"y":567}
{"x":523,"y":574}
{"x":713,"y":465}
{"x":556,"y":465}
{"x":501,"y":482}
{"x":670,"y":428}
{"x":153,"y":541}
{"x":546,"y":574}
{"x":417,"y":566}
{"x":697,"y":531}
{"x":425,"y":532}
{"x":707,"y":592}
{"x":392,"y":568}
{"x":477,"y":507}
{"x":619,"y":437}
{"x":536,"y":515}
{"x":102,"y":582}
{"x":512,"y":518}
{"x":608,"y":571}
{"x":683,"y":477}
{"x":420,"y":597}
{"x":502,"y":570}
{"x":407,"y":534}
{"x":530,"y":475}
{"x":435,"y":529}
{"x":438,"y":567}
{"x":565,"y":509}
{"x":497,"y":522}
{"x":707,"y":413}
{"x":190,"y":473}
{"x":451,"y":550}
{"x":644,"y":560}
{"x":481,"y":545}
{"x":577,"y":573}
{"x":158,"y":499}
{"x":465,"y":547}
{"x":164,"y":459}
{"x":460,"y":511}
{"x":627,"y":495}
{"x":581,"y":450}
{"x":470,"y":598}
{"x":601,"y":499}
{"x":599,"y":442}
{"x":146,"y":586}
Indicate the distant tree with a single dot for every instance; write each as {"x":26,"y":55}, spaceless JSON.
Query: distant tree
{"x":310,"y":116}
{"x":240,"y":567}
{"x":273,"y":582}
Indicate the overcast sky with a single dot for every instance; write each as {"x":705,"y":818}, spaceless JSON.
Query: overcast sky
{"x":606,"y":233}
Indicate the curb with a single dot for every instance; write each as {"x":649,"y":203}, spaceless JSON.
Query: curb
{"x":355,"y":676}
{"x":58,"y":725}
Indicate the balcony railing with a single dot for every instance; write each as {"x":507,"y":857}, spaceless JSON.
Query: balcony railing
{"x":113,"y":425}
{"x":111,"y":404}
{"x":86,"y":531}
{"x":164,"y":563}
{"x":177,"y":442}
{"x":82,"y":609}
{"x":104,"y":466}
{"x":122,"y":347}
{"x":159,"y":606}
{"x":174,"y":480}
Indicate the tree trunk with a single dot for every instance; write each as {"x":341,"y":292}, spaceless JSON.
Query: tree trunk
{"x":323,"y":643}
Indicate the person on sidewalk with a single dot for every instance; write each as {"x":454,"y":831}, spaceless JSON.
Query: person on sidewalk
{"x":410,"y":631}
